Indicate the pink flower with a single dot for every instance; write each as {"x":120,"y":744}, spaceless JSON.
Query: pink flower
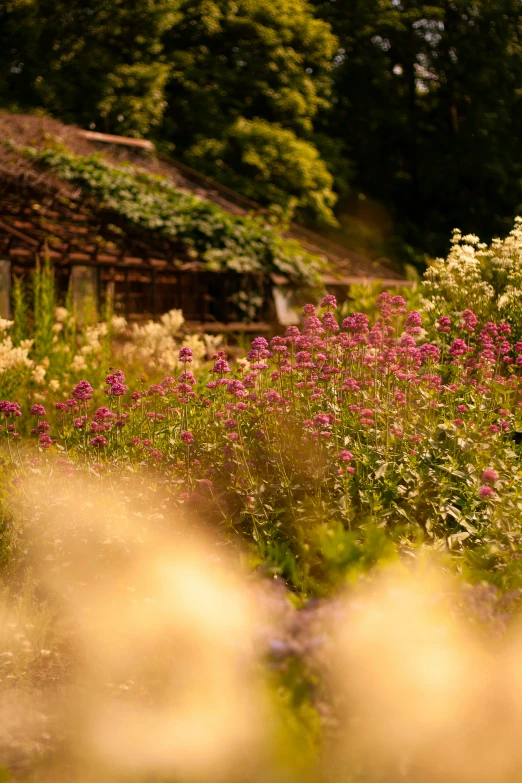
{"x":345,"y":455}
{"x":489,"y":476}
{"x":38,"y":410}
{"x":292,"y":333}
{"x":45,"y":441}
{"x":329,"y":322}
{"x":117,"y":390}
{"x":117,"y":376}
{"x":321,"y":420}
{"x":444,"y":324}
{"x":237,"y":389}
{"x":82,"y":391}
{"x":99,"y":442}
{"x":259,"y":344}
{"x":458,"y":348}
{"x":185,"y":355}
{"x":10,"y":408}
{"x":486,"y":492}
{"x":221,"y":366}
{"x":470,"y":320}
{"x":156,"y":390}
{"x":313,"y":326}
{"x":413,"y":322}
{"x":329,"y":301}
{"x":398,"y":305}
{"x":104,"y":413}
{"x":187,"y":437}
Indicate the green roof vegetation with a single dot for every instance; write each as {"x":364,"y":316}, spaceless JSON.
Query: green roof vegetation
{"x":242,"y":243}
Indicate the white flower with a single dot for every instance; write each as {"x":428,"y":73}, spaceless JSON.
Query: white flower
{"x":54,"y":385}
{"x":78,"y":363}
{"x":196,"y":343}
{"x":212,"y":343}
{"x":5,"y":325}
{"x":172,"y":321}
{"x":119,"y":324}
{"x":153,"y":343}
{"x":39,"y":374}
{"x":11,"y":357}
{"x":61,"y":314}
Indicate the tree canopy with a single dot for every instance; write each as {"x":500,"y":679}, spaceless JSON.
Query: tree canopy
{"x":406,"y":113}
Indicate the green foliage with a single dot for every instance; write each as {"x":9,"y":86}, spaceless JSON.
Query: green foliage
{"x":134,"y":99}
{"x":428,"y":107}
{"x":249,"y":59}
{"x":99,"y":64}
{"x":484,"y":278}
{"x":412,"y":107}
{"x":324,"y":467}
{"x":20,"y":311}
{"x":44,"y":305}
{"x":248,"y":80}
{"x":222,"y":240}
{"x":271,"y":165}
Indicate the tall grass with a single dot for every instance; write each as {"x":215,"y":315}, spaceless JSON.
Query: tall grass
{"x":44,"y":306}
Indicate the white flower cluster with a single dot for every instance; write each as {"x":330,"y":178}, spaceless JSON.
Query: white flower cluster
{"x":91,"y":348}
{"x":475,"y":276}
{"x":158,"y":343}
{"x":150,"y":344}
{"x":12,"y":357}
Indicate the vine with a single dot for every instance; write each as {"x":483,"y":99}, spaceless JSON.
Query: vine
{"x":223,"y":241}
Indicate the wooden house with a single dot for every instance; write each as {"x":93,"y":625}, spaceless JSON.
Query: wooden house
{"x":97,"y":253}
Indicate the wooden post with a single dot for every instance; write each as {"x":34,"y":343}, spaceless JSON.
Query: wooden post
{"x":127,"y":294}
{"x":5,"y":289}
{"x":224,"y":297}
{"x":202,"y":285}
{"x":179,"y":301}
{"x":84,"y":285}
{"x":154,"y":293}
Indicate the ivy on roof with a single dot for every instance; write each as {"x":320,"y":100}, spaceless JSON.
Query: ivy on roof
{"x":220,"y":239}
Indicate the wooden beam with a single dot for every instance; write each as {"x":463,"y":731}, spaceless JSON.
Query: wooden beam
{"x":231,"y":326}
{"x":19,"y":234}
{"x":108,"y":138}
{"x":390,"y":282}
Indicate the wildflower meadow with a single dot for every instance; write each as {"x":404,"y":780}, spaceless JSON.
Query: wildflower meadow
{"x":317,"y":439}
{"x":177,"y":509}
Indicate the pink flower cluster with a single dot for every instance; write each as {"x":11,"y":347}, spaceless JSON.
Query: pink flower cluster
{"x":340,"y":410}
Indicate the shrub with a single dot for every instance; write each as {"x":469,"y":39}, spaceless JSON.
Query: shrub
{"x":481,"y":277}
{"x":271,"y":165}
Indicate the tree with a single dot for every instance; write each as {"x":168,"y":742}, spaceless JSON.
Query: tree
{"x":427,"y":105}
{"x":98,"y":64}
{"x":238,"y":66}
{"x":271,"y":164}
